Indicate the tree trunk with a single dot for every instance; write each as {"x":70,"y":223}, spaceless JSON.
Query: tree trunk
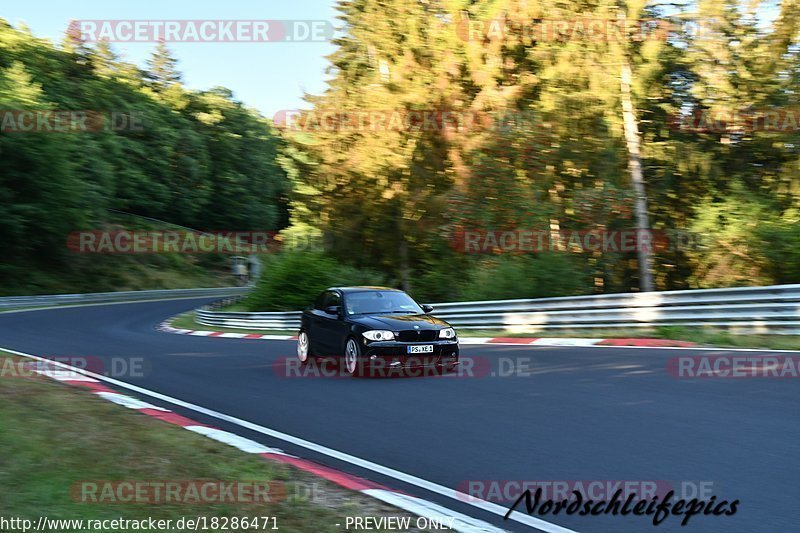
{"x":633,"y":141}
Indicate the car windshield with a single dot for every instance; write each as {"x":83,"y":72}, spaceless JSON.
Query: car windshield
{"x":372,"y":302}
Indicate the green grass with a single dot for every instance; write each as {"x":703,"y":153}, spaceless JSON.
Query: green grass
{"x":79,"y":273}
{"x":114,"y":273}
{"x":54,"y":435}
{"x":718,"y":337}
{"x":559,"y":333}
{"x":702,"y":336}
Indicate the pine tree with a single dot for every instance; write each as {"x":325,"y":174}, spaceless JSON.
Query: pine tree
{"x":105,"y":59}
{"x":384,"y":192}
{"x":163,"y":67}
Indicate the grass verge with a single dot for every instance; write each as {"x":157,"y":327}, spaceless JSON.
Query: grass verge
{"x":702,"y":336}
{"x":54,"y":436}
{"x":719,"y":337}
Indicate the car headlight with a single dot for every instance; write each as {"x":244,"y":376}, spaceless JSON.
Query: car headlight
{"x":379,"y":335}
{"x":447,"y":333}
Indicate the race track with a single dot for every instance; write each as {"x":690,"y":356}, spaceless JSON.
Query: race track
{"x":573,"y":414}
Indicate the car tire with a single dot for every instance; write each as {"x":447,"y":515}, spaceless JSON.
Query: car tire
{"x":353,"y":362}
{"x":304,"y":349}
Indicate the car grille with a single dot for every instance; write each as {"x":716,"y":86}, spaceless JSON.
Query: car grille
{"x":417,"y":335}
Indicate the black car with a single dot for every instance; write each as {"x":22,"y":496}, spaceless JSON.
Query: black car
{"x":376,"y":331}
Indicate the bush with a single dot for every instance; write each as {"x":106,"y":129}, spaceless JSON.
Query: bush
{"x":779,"y":243}
{"x":292,"y":279}
{"x":516,"y":276}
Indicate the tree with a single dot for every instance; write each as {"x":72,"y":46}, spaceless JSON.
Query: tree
{"x":633,"y":143}
{"x":384,"y":192}
{"x":105,"y":59}
{"x":152,"y":148}
{"x":163,"y":67}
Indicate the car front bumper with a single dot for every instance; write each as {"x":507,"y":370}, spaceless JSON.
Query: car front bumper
{"x":394,"y":355}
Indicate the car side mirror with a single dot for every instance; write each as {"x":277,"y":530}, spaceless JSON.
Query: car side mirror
{"x":332,"y":310}
{"x":427,"y":308}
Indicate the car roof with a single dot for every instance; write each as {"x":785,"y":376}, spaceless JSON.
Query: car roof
{"x":362,"y":289}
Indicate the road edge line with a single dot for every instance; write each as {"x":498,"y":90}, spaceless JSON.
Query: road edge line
{"x":413,"y":507}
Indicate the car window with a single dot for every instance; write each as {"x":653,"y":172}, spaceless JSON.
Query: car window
{"x":333,"y":298}
{"x":327,"y":299}
{"x":369,"y":302}
{"x":319,"y":303}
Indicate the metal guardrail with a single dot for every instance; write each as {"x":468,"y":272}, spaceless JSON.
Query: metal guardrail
{"x":772,"y":309}
{"x":55,"y":300}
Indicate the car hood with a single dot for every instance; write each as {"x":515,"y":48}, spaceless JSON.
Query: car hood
{"x":401,"y":321}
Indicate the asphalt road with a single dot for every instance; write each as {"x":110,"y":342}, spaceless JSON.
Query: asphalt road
{"x":570,"y":414}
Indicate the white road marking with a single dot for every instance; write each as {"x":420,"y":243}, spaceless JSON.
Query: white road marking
{"x":441,"y":490}
{"x":174,"y":330}
{"x":231,"y":439}
{"x":556,"y":341}
{"x":128,"y":401}
{"x":420,"y":507}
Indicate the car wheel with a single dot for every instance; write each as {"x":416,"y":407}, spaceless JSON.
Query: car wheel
{"x":352,"y":357}
{"x":304,"y":348}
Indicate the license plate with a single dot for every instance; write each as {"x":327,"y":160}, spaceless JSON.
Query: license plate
{"x":421,"y":348}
